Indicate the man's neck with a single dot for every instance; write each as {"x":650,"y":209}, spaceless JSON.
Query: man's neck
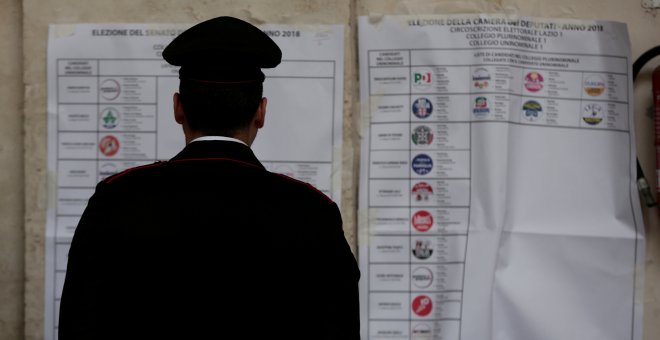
{"x":242,"y":136}
{"x":217,"y":138}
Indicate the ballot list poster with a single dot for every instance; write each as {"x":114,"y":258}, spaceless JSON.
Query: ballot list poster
{"x":110,"y":109}
{"x":497,"y":196}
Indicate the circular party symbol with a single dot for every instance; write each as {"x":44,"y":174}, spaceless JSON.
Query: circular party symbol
{"x":109,"y":145}
{"x":422,"y":305}
{"x":422,"y":108}
{"x":422,"y":221}
{"x":422,"y":164}
{"x":422,"y":191}
{"x":594,"y":85}
{"x":480,"y":78}
{"x":109,"y":118}
{"x":533,"y":81}
{"x":110,"y":89}
{"x":107,"y":170}
{"x":422,"y":249}
{"x":422,"y":135}
{"x":592,"y":114}
{"x":532,"y":110}
{"x":422,"y":277}
{"x":422,"y":331}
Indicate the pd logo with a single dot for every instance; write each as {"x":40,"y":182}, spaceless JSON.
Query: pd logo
{"x":423,"y":78}
{"x":422,"y":305}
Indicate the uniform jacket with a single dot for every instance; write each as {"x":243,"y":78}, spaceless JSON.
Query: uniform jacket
{"x":209,"y":245}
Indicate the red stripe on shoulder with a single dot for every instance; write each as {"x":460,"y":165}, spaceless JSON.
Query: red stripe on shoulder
{"x":217,"y":159}
{"x":306,"y":184}
{"x":127,"y":171}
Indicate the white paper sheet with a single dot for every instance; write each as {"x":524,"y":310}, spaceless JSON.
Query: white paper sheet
{"x":108,"y":86}
{"x":497,"y":183}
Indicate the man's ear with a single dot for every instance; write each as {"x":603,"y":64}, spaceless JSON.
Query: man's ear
{"x":260,"y":115}
{"x":179,"y":115}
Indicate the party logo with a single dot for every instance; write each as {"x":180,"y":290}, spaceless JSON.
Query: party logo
{"x":422,"y":277}
{"x":481,"y":108}
{"x":109,"y":145}
{"x":422,"y":164}
{"x":422,"y":249}
{"x":480,"y":78}
{"x":422,"y":221}
{"x":533,"y":81}
{"x":109,"y":118}
{"x":422,"y":191}
{"x":594,"y":85}
{"x":422,"y":305}
{"x":422,"y":135}
{"x":422,"y":79}
{"x":422,"y":108}
{"x":110,"y":89}
{"x":532,"y":110}
{"x":592,"y":114}
{"x":422,"y":331}
{"x":106,"y":170}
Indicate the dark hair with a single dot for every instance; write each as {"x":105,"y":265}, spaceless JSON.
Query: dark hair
{"x":219,"y":110}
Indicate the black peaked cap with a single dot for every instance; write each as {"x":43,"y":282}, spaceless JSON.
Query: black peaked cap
{"x":223,"y":50}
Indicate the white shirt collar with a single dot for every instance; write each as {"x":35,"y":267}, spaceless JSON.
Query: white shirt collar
{"x":222,"y":138}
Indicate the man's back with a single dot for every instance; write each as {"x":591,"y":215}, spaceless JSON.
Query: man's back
{"x":209,"y":244}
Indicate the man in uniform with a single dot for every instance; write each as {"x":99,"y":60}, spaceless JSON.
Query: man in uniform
{"x":210,"y":245}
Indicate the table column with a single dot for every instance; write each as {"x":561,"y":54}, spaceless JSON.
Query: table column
{"x":440,"y":191}
{"x":389,"y":194}
{"x":127,"y":115}
{"x":77,"y":133}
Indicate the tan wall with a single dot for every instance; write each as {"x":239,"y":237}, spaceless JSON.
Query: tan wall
{"x":11,"y":172}
{"x":38,"y":14}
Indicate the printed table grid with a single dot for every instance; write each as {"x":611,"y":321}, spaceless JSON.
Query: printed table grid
{"x":104,"y":96}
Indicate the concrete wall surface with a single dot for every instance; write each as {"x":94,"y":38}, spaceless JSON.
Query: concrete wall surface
{"x":23,"y":181}
{"x":11,"y":172}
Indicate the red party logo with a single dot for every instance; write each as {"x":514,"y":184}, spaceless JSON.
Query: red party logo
{"x":109,"y":145}
{"x":422,"y":305}
{"x":533,"y":81}
{"x":422,"y":220}
{"x":421,"y":191}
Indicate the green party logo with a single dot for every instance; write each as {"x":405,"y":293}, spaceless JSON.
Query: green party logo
{"x":109,"y":118}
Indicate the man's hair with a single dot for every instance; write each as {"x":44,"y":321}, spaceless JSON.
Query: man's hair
{"x":219,"y":110}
